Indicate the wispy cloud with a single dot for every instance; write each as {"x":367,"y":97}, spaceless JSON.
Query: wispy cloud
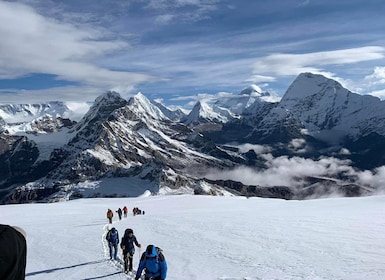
{"x":184,"y":47}
{"x":304,"y":3}
{"x":36,"y":44}
{"x":293,"y":64}
{"x":182,"y":10}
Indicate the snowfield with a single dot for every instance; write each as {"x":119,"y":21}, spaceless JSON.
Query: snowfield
{"x":209,"y":237}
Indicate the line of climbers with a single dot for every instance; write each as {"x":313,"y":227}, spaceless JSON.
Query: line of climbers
{"x":135,"y":211}
{"x":152,"y":261}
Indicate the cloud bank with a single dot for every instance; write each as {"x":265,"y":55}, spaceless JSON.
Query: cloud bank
{"x":289,"y":172}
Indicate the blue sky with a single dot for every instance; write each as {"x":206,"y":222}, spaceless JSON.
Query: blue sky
{"x":180,"y":51}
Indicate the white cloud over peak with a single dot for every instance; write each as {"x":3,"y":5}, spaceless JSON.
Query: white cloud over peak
{"x":293,"y":64}
{"x":377,"y":77}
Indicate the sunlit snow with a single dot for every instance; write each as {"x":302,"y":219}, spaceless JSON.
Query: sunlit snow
{"x":207,"y":237}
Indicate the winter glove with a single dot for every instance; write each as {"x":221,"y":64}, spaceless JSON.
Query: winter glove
{"x":140,"y":246}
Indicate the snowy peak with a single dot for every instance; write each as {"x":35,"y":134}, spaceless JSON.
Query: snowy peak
{"x":202,"y":112}
{"x":104,"y":105}
{"x":308,"y":84}
{"x":252,"y":90}
{"x":108,"y":102}
{"x":174,"y":115}
{"x":323,"y":104}
{"x":18,"y":113}
{"x":143,"y":108}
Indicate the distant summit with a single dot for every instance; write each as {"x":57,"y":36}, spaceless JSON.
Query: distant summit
{"x":45,"y":157}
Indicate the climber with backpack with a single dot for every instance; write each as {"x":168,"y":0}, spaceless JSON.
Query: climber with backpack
{"x":113,"y":241}
{"x":127,"y":245}
{"x":153,"y":263}
{"x":110,"y":215}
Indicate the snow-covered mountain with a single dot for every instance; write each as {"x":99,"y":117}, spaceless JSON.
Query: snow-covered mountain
{"x":21,"y":113}
{"x":324,"y":106}
{"x":316,"y":121}
{"x":24,"y":119}
{"x":174,"y":115}
{"x":119,"y":138}
{"x":248,"y":101}
{"x":229,"y":108}
{"x":204,"y":113}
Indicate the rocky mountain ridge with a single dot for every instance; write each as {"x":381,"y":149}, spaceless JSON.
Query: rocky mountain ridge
{"x":175,"y":152}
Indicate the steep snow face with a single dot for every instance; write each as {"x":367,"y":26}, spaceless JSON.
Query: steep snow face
{"x":323,"y":104}
{"x":173,"y":114}
{"x":202,"y":112}
{"x":143,"y":108}
{"x":308,"y":84}
{"x":104,"y":105}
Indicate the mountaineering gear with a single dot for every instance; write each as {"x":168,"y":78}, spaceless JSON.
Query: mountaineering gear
{"x":125,"y":211}
{"x":113,"y":240}
{"x":137,"y":211}
{"x":13,"y":253}
{"x":154,"y":264}
{"x":110,"y":214}
{"x":127,"y":245}
{"x":119,"y":213}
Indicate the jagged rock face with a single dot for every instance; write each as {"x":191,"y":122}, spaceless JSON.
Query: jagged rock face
{"x":49,"y":124}
{"x":246,"y":190}
{"x":130,"y":138}
{"x":25,"y":195}
{"x":17,"y":157}
{"x":313,"y":188}
{"x":137,"y":138}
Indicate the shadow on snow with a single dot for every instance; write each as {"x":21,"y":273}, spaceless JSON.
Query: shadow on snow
{"x":68,"y":267}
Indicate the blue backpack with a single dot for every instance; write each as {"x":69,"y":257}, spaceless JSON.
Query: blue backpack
{"x":112,"y":236}
{"x":152,"y":259}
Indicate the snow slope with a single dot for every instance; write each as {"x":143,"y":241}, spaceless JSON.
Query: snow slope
{"x":210,"y":237}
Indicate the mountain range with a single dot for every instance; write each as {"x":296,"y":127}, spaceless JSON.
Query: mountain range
{"x":47,"y":156}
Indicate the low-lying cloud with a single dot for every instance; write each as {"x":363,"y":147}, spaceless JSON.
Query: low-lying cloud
{"x":290,"y":172}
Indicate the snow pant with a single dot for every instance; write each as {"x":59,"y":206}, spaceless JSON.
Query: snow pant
{"x":13,"y":253}
{"x":110,"y":220}
{"x":128,"y":258}
{"x":113,"y":250}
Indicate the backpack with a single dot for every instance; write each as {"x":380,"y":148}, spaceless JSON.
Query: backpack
{"x":112,"y":237}
{"x":153,"y":259}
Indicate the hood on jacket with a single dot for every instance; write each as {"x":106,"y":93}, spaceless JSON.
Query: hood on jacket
{"x":151,"y":251}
